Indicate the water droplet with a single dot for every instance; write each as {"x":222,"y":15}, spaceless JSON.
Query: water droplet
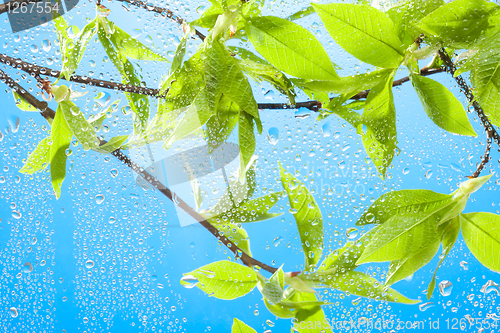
{"x":102,"y":99}
{"x":464,"y":265}
{"x":273,"y":135}
{"x":428,"y":174}
{"x":85,"y":320}
{"x":111,"y":220}
{"x":302,"y":113}
{"x":277,"y":241}
{"x":370,"y":217}
{"x":113,"y":173}
{"x":351,"y":233}
{"x":13,"y":312}
{"x":17,"y":215}
{"x":89,"y":264}
{"x":326,"y":129}
{"x":489,"y":287}
{"x":425,"y":306}
{"x":27,"y":268}
{"x":188,"y":281}
{"x":406,"y":171}
{"x":46,"y":45}
{"x":99,"y":199}
{"x":445,"y":287}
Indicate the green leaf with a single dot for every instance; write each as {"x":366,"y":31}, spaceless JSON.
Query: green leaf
{"x":272,"y":290}
{"x":219,"y":128}
{"x":346,"y":84}
{"x":407,"y":14}
{"x":138,"y":103}
{"x":361,"y":284}
{"x":61,"y":138}
{"x":254,"y":210}
{"x":38,"y":159}
{"x":290,"y":48}
{"x":237,"y":88}
{"x":223,"y":279}
{"x":180,"y":52}
{"x":450,"y":235}
{"x":79,"y":126}
{"x":236,"y":234}
{"x":62,"y":27}
{"x":481,"y":232}
{"x":114,"y":144}
{"x":460,"y":22}
{"x":485,"y":75}
{"x":246,"y":139}
{"x":363,"y":31}
{"x":304,"y":12}
{"x":442,"y":107}
{"x":307,"y":319}
{"x":403,"y":202}
{"x":22,"y":104}
{"x":401,"y":269}
{"x":401,"y":236}
{"x":241,"y":327}
{"x":379,"y":117}
{"x":292,"y":302}
{"x":130,"y":47}
{"x":308,"y":217}
{"x":75,"y":48}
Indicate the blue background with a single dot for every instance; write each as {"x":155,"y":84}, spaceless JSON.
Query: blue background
{"x":134,"y":238}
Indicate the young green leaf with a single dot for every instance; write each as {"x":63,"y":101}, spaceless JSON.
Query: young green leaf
{"x":246,"y":139}
{"x":379,"y":117}
{"x":403,"y":202}
{"x":223,"y":279}
{"x":361,"y":284}
{"x":241,"y":327}
{"x":450,"y":235}
{"x":61,"y":138}
{"x":180,"y":52}
{"x":307,"y":215}
{"x":485,"y":75}
{"x":402,"y":268}
{"x":254,"y":210}
{"x":237,"y":88}
{"x":407,"y":14}
{"x":138,"y":103}
{"x":79,"y":126}
{"x":38,"y":159}
{"x":346,"y":84}
{"x":401,"y":236}
{"x":290,"y":48}
{"x":292,"y":302}
{"x":62,"y":30}
{"x":22,"y":104}
{"x":130,"y":47}
{"x":310,"y":319}
{"x":236,"y":234}
{"x":75,"y":48}
{"x":442,"y":107}
{"x":304,"y":12}
{"x":363,"y":31}
{"x":113,"y":144}
{"x":481,"y":232}
{"x":460,"y":22}
{"x":272,"y":290}
{"x":219,"y":128}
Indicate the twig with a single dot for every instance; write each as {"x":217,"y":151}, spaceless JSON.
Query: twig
{"x":35,"y":70}
{"x":45,"y":111}
{"x":464,"y":88}
{"x":486,"y":158}
{"x":162,"y":11}
{"x":49,"y":114}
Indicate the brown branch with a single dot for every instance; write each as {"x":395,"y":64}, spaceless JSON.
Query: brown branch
{"x":36,"y":70}
{"x":162,"y":11}
{"x":486,"y":158}
{"x":49,"y":114}
{"x":464,"y":88}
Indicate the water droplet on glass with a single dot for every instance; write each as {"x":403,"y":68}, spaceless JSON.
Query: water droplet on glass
{"x":326,"y":129}
{"x":445,"y":287}
{"x":302,"y":113}
{"x":27,"y":268}
{"x":464,"y":265}
{"x":99,"y":199}
{"x":113,"y":173}
{"x":89,"y":264}
{"x":489,"y":287}
{"x":189,"y":281}
{"x":273,"y":135}
{"x":425,"y":306}
{"x":13,"y":312}
{"x":351,"y":233}
{"x":102,"y":99}
{"x":111,"y":220}
{"x":46,"y":45}
{"x":17,"y":215}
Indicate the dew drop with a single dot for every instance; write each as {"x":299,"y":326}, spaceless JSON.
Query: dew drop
{"x":99,"y":199}
{"x":445,"y":287}
{"x":13,"y":312}
{"x":273,"y":135}
{"x":89,"y":264}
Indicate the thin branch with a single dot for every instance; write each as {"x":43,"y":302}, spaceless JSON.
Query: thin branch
{"x":35,"y":70}
{"x":162,"y":11}
{"x":464,"y":88}
{"x":486,"y":158}
{"x":49,"y":114}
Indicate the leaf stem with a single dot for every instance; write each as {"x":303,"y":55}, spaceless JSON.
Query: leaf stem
{"x":49,"y":114}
